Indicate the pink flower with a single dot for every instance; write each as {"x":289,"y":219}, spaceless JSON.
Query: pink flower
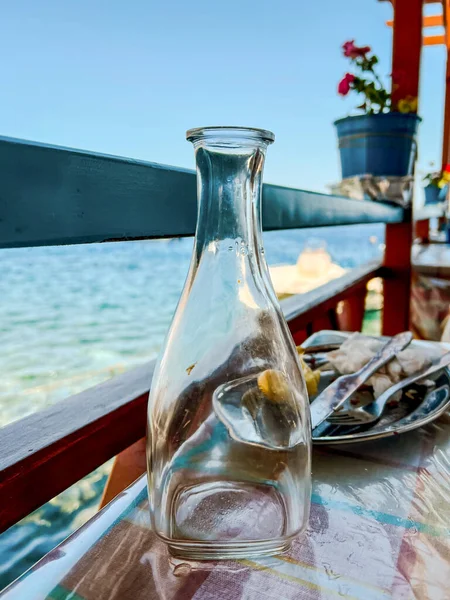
{"x":352,"y":51}
{"x":345,"y":84}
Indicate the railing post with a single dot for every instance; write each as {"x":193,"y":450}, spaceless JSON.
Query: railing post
{"x":397,"y":279}
{"x":446,"y":131}
{"x":127,"y":467}
{"x":351,"y":315}
{"x":422,"y":230}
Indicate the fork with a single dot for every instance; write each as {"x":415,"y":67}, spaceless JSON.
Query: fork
{"x":333,"y":396}
{"x":371,"y":413}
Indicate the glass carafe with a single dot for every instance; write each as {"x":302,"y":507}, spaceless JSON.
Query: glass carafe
{"x":228,"y":420}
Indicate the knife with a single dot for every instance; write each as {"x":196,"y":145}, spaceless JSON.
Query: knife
{"x":343,"y":387}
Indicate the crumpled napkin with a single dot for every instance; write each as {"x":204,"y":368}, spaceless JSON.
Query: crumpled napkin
{"x":358,"y":349}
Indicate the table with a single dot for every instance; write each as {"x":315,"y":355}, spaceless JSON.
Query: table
{"x":430,"y":290}
{"x":431,"y":259}
{"x":379,"y":528}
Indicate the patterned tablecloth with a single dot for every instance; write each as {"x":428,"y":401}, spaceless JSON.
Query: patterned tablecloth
{"x":379,"y":528}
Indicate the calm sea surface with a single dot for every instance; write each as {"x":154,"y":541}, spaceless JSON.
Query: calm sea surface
{"x":71,"y":317}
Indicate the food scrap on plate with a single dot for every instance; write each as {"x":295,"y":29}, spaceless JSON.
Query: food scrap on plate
{"x":358,"y":349}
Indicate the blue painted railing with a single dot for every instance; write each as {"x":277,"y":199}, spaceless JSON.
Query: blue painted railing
{"x":52,"y":195}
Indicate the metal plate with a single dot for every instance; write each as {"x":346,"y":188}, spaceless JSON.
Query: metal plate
{"x":408,"y":416}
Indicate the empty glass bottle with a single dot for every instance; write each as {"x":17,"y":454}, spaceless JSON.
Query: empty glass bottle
{"x":228,"y":419}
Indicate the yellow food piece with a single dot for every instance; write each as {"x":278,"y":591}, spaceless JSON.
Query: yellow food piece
{"x":312,"y":378}
{"x":273,"y":384}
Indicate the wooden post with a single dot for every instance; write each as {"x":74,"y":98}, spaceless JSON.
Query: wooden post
{"x":446,"y":132}
{"x":351,"y":316}
{"x":422,"y":230}
{"x":407,"y":45}
{"x":127,"y":467}
{"x":397,"y":278}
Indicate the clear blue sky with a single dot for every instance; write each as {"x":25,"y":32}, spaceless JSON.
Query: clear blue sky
{"x":129,"y":78}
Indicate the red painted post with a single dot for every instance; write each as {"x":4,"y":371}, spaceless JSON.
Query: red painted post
{"x":446,"y":132}
{"x":422,"y":230}
{"x":407,"y":45}
{"x":351,"y":316}
{"x":397,"y":279}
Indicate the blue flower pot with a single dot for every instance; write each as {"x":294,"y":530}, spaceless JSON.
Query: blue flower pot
{"x":380,"y":145}
{"x":435,"y":195}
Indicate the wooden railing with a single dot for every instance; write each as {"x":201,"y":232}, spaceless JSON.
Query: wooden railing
{"x":52,"y":195}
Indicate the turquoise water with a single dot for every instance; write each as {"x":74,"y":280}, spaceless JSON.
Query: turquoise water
{"x":71,"y":317}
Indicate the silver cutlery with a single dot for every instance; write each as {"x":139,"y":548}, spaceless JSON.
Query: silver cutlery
{"x":342,"y":388}
{"x":371,"y":413}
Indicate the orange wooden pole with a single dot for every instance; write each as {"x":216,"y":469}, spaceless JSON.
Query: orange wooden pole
{"x":446,"y":131}
{"x":433,"y":21}
{"x":407,"y":45}
{"x":428,"y":21}
{"x":446,"y":21}
{"x":434,"y":40}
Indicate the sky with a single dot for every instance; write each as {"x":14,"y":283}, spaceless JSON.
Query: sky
{"x":129,"y":78}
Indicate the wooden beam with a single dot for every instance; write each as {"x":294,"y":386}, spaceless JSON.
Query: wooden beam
{"x":351,"y":317}
{"x":428,"y":21}
{"x":434,"y":40}
{"x":397,"y":279}
{"x":127,"y":467}
{"x":446,"y":19}
{"x":433,"y":21}
{"x":51,"y":195}
{"x":422,"y":230}
{"x":407,"y":45}
{"x":446,"y":128}
{"x":45,"y":453}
